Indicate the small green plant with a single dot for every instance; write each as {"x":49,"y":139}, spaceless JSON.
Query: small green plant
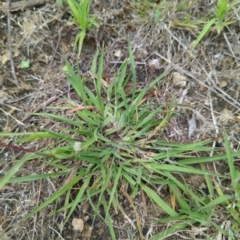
{"x":25,"y":63}
{"x":222,"y":12}
{"x":112,"y":142}
{"x":80,"y":11}
{"x":141,"y":7}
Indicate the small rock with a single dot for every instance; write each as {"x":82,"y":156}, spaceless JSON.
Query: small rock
{"x":223,"y":84}
{"x":118,"y":53}
{"x":78,"y":224}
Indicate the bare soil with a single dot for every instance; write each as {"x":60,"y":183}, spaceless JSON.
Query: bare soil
{"x":205,"y":84}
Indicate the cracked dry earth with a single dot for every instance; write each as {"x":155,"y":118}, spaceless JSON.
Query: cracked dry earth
{"x":204,"y":83}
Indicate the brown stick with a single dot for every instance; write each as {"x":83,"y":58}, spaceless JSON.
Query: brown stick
{"x":10,"y":43}
{"x":21,"y":5}
{"x":16,"y":148}
{"x":135,"y":211}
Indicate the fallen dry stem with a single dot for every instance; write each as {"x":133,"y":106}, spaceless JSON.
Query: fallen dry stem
{"x":135,"y":212}
{"x":10,"y":43}
{"x":21,"y":5}
{"x":80,"y":107}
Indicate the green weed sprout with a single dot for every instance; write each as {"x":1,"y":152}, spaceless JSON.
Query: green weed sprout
{"x":113,"y":139}
{"x":80,"y":11}
{"x":223,"y":10}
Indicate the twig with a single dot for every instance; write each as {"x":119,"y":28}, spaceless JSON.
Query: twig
{"x":8,"y":114}
{"x":212,"y":113}
{"x":56,"y":232}
{"x":144,"y":203}
{"x":135,"y":211}
{"x":71,"y":175}
{"x":16,"y":148}
{"x":217,"y":133}
{"x":21,"y":5}
{"x":80,"y":107}
{"x":10,"y":43}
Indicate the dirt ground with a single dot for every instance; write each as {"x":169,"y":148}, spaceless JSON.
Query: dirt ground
{"x":206,"y":82}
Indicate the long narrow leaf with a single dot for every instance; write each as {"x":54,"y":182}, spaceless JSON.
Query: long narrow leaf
{"x":109,"y":220}
{"x":15,"y":168}
{"x":116,"y":176}
{"x":55,"y":196}
{"x":36,"y":177}
{"x":217,"y":201}
{"x":203,"y":32}
{"x":154,"y":196}
{"x":208,"y":159}
{"x":79,"y":195}
{"x":133,"y":70}
{"x":231,"y":166}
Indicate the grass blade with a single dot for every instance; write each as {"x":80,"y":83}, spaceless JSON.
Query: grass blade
{"x":15,"y":168}
{"x":56,"y":195}
{"x":203,"y":32}
{"x":154,"y":196}
{"x":79,"y":195}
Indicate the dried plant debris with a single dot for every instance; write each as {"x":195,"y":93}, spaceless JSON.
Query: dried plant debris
{"x":192,"y":126}
{"x":179,"y":80}
{"x":226,"y":116}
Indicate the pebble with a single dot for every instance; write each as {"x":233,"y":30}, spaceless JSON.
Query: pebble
{"x":223,"y":84}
